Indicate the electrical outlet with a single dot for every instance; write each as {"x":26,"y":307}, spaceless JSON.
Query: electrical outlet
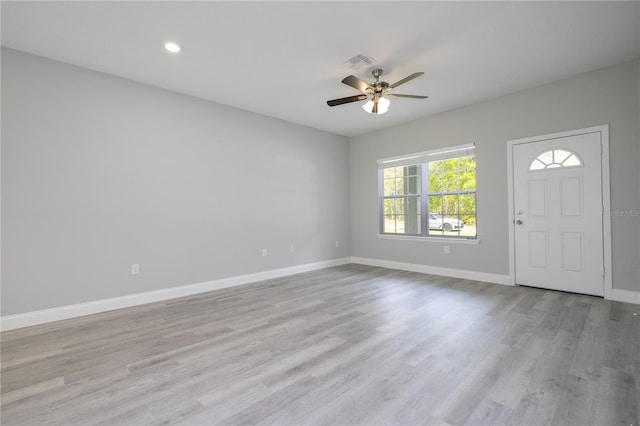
{"x":264,"y":252}
{"x":291,"y":248}
{"x":337,"y":243}
{"x":446,"y":249}
{"x":135,"y":269}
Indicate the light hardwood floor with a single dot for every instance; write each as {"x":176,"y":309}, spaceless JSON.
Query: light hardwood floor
{"x":350,"y":345}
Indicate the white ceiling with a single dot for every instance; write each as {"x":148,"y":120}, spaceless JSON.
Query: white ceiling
{"x":285,"y":59}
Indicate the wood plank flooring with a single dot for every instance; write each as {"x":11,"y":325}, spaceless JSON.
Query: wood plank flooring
{"x":350,"y":345}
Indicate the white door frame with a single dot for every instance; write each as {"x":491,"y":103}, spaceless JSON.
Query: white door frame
{"x":606,"y":198}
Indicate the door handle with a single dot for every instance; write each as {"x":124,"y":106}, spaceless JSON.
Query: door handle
{"x":518,"y":222}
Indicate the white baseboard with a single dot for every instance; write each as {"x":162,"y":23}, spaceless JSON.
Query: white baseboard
{"x":626,"y":296}
{"x":27,"y":319}
{"x":435,"y":270}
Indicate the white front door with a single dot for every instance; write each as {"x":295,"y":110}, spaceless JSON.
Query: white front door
{"x":557,"y":194}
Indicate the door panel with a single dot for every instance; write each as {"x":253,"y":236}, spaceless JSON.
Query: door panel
{"x":538,"y":249}
{"x":537,"y":198}
{"x":572,"y":251}
{"x":558,"y":214}
{"x":571,"y":196}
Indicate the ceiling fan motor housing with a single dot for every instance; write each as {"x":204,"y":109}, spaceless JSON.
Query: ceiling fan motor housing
{"x":379,"y":86}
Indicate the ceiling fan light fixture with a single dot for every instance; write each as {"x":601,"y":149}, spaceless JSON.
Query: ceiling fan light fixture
{"x":383,"y":105}
{"x":172,"y":47}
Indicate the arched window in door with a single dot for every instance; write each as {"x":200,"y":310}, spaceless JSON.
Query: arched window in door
{"x":555,"y":158}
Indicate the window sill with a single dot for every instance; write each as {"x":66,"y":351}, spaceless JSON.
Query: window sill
{"x":452,"y":240}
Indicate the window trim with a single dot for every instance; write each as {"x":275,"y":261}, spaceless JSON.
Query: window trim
{"x":422,"y":159}
{"x":464,"y":150}
{"x":429,"y":238}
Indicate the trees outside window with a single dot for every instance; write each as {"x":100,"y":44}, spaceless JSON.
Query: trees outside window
{"x":429,"y":197}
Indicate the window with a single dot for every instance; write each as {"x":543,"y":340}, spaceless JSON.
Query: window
{"x":555,"y":158}
{"x":429,"y":194}
{"x":402,"y":195}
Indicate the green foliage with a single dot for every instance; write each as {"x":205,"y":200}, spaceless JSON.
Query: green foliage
{"x":403,"y":180}
{"x":456,"y":175}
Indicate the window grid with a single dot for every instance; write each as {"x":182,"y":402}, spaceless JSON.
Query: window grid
{"x":401,"y":194}
{"x":555,"y":158}
{"x":430,"y":199}
{"x":451,"y":200}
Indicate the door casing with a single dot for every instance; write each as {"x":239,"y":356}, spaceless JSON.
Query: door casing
{"x":606,"y":198}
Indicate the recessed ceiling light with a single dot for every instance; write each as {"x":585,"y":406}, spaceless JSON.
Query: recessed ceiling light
{"x":172,"y":47}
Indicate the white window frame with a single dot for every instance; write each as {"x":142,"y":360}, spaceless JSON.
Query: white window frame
{"x":422,"y":159}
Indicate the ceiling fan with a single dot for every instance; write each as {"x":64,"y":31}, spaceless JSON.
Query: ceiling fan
{"x":375,"y":92}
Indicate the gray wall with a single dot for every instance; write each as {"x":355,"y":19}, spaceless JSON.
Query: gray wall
{"x":99,"y":173}
{"x":607,"y":96}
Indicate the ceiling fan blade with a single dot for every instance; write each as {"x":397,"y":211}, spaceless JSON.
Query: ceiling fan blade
{"x":404,"y":80}
{"x":346,"y":100}
{"x":356,"y":83}
{"x":407,"y":96}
